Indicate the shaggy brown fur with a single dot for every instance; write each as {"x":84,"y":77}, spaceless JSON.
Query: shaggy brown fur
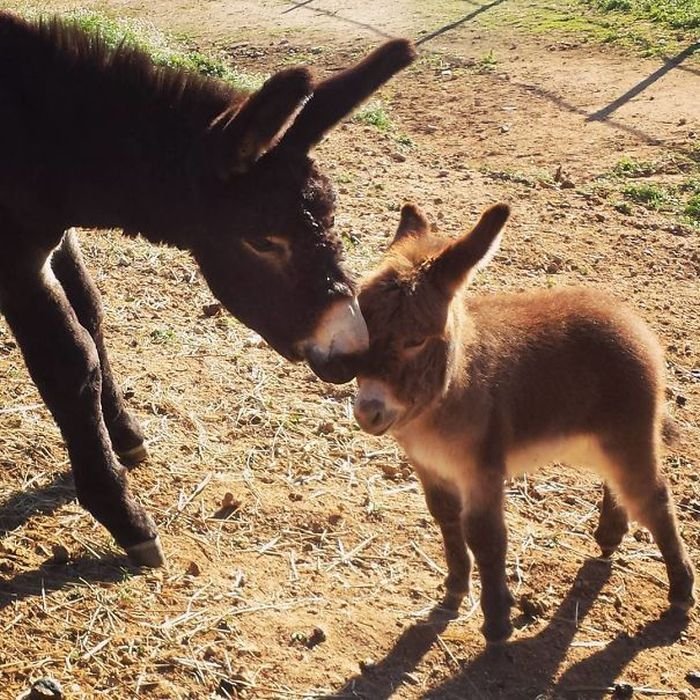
{"x":479,"y":388}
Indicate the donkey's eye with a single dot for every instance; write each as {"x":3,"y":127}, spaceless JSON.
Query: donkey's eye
{"x":268,"y":245}
{"x":414,"y":344}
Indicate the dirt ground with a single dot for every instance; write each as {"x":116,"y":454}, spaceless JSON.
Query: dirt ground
{"x":316,"y":576}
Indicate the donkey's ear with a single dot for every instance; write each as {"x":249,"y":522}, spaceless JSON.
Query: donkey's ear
{"x":336,"y":97}
{"x":243,"y":136}
{"x":457,"y":263}
{"x":413,"y":223}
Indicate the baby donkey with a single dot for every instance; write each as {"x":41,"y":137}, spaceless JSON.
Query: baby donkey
{"x":478,"y":389}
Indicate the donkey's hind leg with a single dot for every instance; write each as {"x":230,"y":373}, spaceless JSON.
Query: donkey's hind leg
{"x":647,"y":498}
{"x":612,"y":525}
{"x":124,"y":431}
{"x":63,"y":362}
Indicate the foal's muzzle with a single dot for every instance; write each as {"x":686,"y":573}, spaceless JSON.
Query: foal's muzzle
{"x":340,"y":339}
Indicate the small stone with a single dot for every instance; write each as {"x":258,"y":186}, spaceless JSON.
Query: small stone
{"x":398,"y":157}
{"x":317,"y":636}
{"x":229,"y":505}
{"x":210,"y":310}
{"x":622,"y":691}
{"x":531,"y":606}
{"x":45,"y":688}
{"x":693,"y":677}
{"x":193,"y":569}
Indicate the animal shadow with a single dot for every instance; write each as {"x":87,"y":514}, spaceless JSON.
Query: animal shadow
{"x":16,"y":510}
{"x":527,"y":667}
{"x":53,"y":577}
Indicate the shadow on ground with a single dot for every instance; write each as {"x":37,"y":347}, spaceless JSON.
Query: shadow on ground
{"x":527,"y":667}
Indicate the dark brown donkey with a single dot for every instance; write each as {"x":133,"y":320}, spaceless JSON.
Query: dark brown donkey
{"x":476,"y":389}
{"x":101,"y":138}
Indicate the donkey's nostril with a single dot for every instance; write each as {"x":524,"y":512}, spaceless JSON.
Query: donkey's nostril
{"x":375,"y":417}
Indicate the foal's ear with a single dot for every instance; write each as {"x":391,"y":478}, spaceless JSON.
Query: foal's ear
{"x":336,"y":97}
{"x":461,"y":259}
{"x":413,"y":223}
{"x":242,"y":137}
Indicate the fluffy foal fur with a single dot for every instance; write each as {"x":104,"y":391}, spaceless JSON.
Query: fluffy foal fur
{"x":477,"y":389}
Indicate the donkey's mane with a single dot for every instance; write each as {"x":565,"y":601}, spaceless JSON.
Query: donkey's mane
{"x":68,"y":51}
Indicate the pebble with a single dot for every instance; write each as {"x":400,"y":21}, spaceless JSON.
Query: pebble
{"x":45,"y":689}
{"x":693,"y":677}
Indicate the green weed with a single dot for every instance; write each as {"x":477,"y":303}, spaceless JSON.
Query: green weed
{"x":649,"y":195}
{"x":164,"y":50}
{"x":487,"y":63}
{"x":675,"y":14}
{"x":630,"y":167}
{"x":375,"y":114}
{"x":692,"y":208}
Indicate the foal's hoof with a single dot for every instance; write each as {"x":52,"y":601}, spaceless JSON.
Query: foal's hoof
{"x":133,"y":456}
{"x":451,"y":602}
{"x":497,"y":633}
{"x":148,"y":553}
{"x":683,"y":603}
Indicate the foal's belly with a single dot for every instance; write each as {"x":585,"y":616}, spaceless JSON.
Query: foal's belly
{"x":452,"y":461}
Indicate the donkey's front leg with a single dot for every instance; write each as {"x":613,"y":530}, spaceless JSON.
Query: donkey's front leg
{"x":63,"y":361}
{"x":446,"y":507}
{"x":485,"y":530}
{"x":124,"y":431}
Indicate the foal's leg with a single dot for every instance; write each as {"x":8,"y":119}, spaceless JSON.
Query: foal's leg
{"x":647,"y":497}
{"x":63,"y":362}
{"x":124,"y":430}
{"x":612,"y":525}
{"x":446,"y":507}
{"x":485,"y":530}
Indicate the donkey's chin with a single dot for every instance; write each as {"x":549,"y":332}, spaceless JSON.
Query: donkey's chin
{"x":337,"y":369}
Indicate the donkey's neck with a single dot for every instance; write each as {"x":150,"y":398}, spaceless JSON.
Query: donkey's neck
{"x":120,"y":142}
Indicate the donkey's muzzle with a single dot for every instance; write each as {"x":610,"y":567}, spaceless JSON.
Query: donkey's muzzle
{"x":338,"y":343}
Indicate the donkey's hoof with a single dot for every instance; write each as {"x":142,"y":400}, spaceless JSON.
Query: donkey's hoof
{"x":148,"y":553}
{"x":133,"y":456}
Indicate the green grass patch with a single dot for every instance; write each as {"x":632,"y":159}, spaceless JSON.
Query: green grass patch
{"x":650,"y":195}
{"x":487,"y":63}
{"x":163,"y":49}
{"x":692,"y":208}
{"x":630,"y":167}
{"x":650,"y":27}
{"x":674,"y":14}
{"x":375,"y":114}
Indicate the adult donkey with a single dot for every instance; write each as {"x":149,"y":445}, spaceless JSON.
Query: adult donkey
{"x":99,"y":137}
